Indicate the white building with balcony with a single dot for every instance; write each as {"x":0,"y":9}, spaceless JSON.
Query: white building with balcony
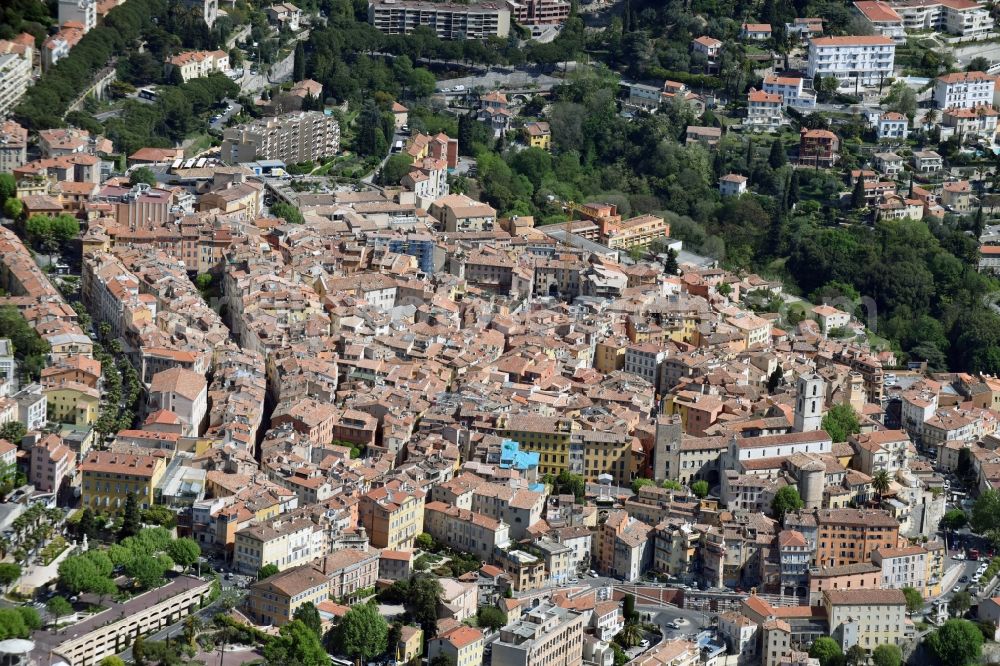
{"x":865,"y":59}
{"x":793,"y":90}
{"x":882,"y":18}
{"x":764,"y":109}
{"x":964,"y":90}
{"x":893,"y":126}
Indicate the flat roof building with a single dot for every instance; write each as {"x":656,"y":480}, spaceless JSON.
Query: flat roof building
{"x":447,"y":20}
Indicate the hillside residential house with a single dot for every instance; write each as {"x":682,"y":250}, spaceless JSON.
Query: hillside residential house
{"x":893,"y":126}
{"x":732,"y":185}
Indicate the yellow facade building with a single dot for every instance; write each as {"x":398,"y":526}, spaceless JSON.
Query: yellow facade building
{"x":878,"y":617}
{"x":274,"y":600}
{"x":462,"y":645}
{"x":609,"y":354}
{"x":393,"y":515}
{"x":538,"y":135}
{"x":73,"y":402}
{"x":563,"y":444}
{"x":108,"y":478}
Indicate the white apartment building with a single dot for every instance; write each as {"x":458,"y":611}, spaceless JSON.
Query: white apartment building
{"x":198,"y":64}
{"x":428,"y":181}
{"x":964,"y":18}
{"x":964,"y":90}
{"x":57,"y":46}
{"x":890,"y":164}
{"x":764,"y":109}
{"x":465,"y":530}
{"x":8,"y":366}
{"x":546,"y":635}
{"x":83,"y":12}
{"x":893,"y":125}
{"x":644,"y":359}
{"x":865,"y":59}
{"x":301,"y":136}
{"x":13,"y":145}
{"x":32,"y":407}
{"x":927,"y":161}
{"x":15,"y":76}
{"x":902,"y":567}
{"x":882,"y":18}
{"x":447,"y":20}
{"x":283,"y":541}
{"x":792,"y":89}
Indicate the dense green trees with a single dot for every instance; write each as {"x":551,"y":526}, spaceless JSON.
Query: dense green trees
{"x":184,"y":551}
{"x":362,"y":633}
{"x":628,"y":608}
{"x":960,"y":603}
{"x":887,"y":655}
{"x":177,"y":112}
{"x":569,"y":483}
{"x":287,"y":212}
{"x":29,"y":349}
{"x":914,"y":600}
{"x":131,"y":520}
{"x":267,"y":571}
{"x":45,"y":101}
{"x":49,"y":234}
{"x":489,"y":617}
{"x":785,"y":501}
{"x":85,"y":573}
{"x":841,"y":422}
{"x":827,"y":651}
{"x":700,"y":488}
{"x":9,"y":572}
{"x":59,"y":607}
{"x":18,"y":622}
{"x":956,"y":643}
{"x":641,"y":483}
{"x":309,"y":616}
{"x":419,"y":595}
{"x":12,"y":431}
{"x":985,"y":517}
{"x":375,"y":129}
{"x":395,"y":168}
{"x":142,"y":175}
{"x":954,"y":519}
{"x":296,"y":644}
{"x":147,"y":571}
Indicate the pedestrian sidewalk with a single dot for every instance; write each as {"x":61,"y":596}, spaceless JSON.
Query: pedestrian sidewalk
{"x":38,"y":576}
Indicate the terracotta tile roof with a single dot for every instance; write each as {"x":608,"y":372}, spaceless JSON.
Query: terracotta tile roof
{"x":462,"y":636}
{"x":186,"y":383}
{"x":965,"y":77}
{"x":854,"y":40}
{"x":880,"y":597}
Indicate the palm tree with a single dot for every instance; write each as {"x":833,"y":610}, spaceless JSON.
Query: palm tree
{"x":880,"y":483}
{"x":629,"y":636}
{"x":192,"y":625}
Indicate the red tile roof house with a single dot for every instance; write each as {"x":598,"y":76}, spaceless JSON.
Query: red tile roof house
{"x":756,"y":31}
